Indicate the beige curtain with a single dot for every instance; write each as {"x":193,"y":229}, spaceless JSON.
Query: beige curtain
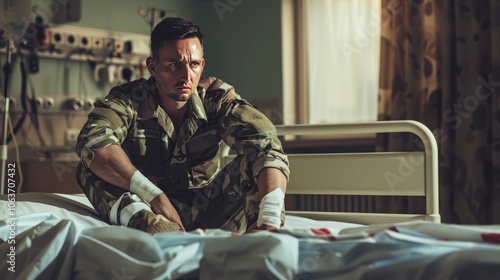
{"x":335,"y":62}
{"x":440,"y":65}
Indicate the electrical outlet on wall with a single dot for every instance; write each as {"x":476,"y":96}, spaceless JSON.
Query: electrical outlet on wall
{"x":70,"y":136}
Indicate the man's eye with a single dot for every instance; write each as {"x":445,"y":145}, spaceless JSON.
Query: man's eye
{"x":173,"y":65}
{"x":195,"y":64}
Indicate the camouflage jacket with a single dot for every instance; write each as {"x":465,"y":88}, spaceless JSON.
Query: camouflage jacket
{"x":131,"y":117}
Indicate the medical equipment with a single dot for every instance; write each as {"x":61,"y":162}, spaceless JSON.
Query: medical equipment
{"x":13,"y":22}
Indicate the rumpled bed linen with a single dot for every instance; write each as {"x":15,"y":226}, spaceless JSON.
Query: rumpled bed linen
{"x":50,"y":247}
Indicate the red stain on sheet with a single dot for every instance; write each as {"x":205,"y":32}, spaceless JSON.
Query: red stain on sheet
{"x":323,"y":232}
{"x":393,"y":228}
{"x":491,"y":237}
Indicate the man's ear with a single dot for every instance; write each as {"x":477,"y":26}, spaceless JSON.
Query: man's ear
{"x":151,"y":64}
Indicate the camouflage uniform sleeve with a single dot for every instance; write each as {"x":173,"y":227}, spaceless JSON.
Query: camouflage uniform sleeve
{"x":107,"y":124}
{"x":249,"y":132}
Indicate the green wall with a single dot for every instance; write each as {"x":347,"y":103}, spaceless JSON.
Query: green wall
{"x":243,"y":45}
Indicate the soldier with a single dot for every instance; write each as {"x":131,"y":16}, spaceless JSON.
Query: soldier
{"x":150,"y":149}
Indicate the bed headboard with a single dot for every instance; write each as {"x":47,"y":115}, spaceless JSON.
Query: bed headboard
{"x":377,"y":173}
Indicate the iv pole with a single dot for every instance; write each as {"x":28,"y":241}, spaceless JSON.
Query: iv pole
{"x":13,"y":16}
{"x":3,"y":147}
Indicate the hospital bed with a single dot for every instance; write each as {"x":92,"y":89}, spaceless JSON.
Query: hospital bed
{"x":60,"y":236}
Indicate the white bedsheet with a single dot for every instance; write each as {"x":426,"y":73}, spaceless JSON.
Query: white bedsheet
{"x":57,"y":238}
{"x":77,"y":207}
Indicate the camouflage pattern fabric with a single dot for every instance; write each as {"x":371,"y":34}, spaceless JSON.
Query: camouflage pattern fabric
{"x":185,"y":165}
{"x":103,"y":196}
{"x":230,"y":202}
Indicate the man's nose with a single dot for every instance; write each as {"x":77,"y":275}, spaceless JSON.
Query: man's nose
{"x":185,"y":72}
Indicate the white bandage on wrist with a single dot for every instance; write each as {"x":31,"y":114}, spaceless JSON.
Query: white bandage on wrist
{"x":143,"y":187}
{"x":270,"y":208}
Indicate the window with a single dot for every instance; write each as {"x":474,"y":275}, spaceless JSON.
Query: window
{"x":331,"y":60}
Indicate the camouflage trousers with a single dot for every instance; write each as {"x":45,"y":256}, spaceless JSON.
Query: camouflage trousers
{"x":229,"y":201}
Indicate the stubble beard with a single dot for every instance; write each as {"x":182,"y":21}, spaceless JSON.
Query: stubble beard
{"x":182,"y":97}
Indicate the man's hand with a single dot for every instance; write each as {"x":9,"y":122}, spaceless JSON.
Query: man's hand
{"x":266,"y":227}
{"x":255,"y":228}
{"x":161,"y":205}
{"x":271,"y":183}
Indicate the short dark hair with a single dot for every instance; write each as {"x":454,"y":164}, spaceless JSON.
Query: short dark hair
{"x":173,"y":28}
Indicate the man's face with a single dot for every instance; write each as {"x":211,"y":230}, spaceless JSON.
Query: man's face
{"x":177,"y":68}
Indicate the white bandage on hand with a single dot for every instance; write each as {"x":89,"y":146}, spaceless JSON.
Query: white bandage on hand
{"x":143,"y":187}
{"x":270,"y":208}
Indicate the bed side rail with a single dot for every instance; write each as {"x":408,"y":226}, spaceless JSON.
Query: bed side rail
{"x":404,"y":173}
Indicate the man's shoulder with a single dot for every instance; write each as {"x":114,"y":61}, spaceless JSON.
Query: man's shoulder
{"x":211,"y":84}
{"x":136,"y":90}
{"x":215,"y":95}
{"x":216,"y":91}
